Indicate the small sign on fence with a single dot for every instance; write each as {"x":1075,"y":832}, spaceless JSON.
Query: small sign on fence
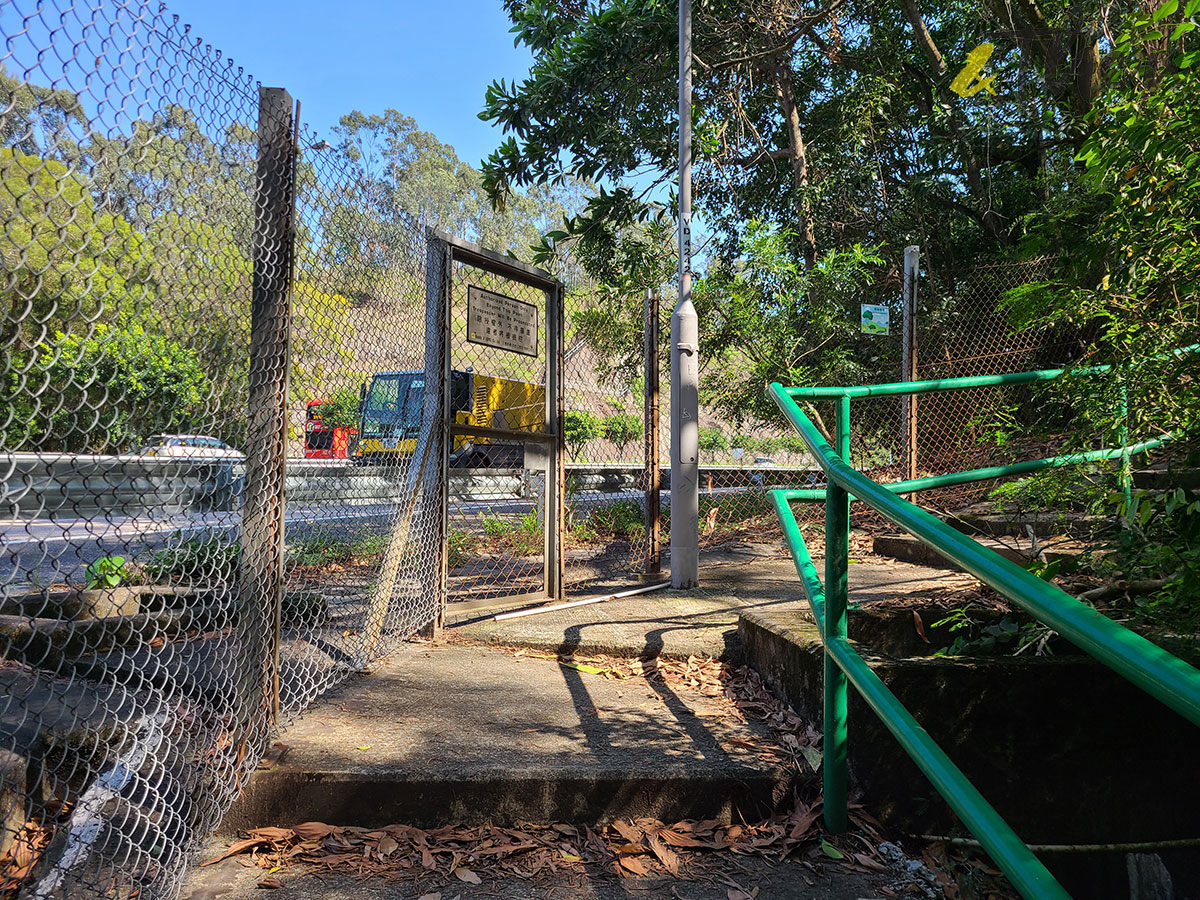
{"x":501,"y":322}
{"x":875,"y":319}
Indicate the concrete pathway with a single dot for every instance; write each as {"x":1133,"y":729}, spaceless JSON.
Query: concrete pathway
{"x":741,"y":578}
{"x":446,"y":734}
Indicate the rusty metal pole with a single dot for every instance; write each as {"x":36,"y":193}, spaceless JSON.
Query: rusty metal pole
{"x":908,"y":364}
{"x":653,"y":473}
{"x":260,"y":571}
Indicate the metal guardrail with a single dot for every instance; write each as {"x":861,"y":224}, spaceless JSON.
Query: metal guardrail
{"x":45,"y":485}
{"x":1157,"y":672}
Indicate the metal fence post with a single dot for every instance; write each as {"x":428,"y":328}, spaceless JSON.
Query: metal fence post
{"x":908,"y":364}
{"x":837,"y":564}
{"x":653,"y":473}
{"x":261,"y":564}
{"x":685,"y":350}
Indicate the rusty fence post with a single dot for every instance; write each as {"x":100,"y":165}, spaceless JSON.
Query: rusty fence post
{"x":260,"y":573}
{"x":908,"y":364}
{"x":653,"y":471}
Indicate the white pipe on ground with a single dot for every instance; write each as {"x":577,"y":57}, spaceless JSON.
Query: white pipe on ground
{"x":600,"y":598}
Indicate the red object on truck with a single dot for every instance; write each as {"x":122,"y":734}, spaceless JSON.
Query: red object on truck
{"x":322,"y":441}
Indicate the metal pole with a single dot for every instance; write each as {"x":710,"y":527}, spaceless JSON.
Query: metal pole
{"x":556,"y":523}
{"x":908,"y":365}
{"x":653,"y":476}
{"x":837,"y":564}
{"x":685,"y":350}
{"x":260,"y":569}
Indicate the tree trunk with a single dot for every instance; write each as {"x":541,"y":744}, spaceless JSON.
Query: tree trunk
{"x":798,"y":156}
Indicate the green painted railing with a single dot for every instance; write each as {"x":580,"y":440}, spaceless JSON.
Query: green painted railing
{"x":1163,"y":676}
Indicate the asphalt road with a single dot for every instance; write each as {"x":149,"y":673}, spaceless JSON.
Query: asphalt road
{"x":46,"y":552}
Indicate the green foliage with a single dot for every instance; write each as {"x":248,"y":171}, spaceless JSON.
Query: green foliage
{"x":1160,"y":545}
{"x":322,"y":549}
{"x":976,"y":637}
{"x":107,"y":572}
{"x":579,"y":427}
{"x":342,"y":410}
{"x":1133,"y":272}
{"x":622,"y":428}
{"x":1077,"y":488}
{"x":207,"y":561}
{"x":460,"y":544}
{"x":115,"y":386}
{"x":768,"y":318}
{"x":623,"y":519}
{"x":66,"y":262}
{"x":523,"y":537}
{"x":712,"y":439}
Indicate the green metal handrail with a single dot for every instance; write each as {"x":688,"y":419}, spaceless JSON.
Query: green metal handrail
{"x":1151,"y":668}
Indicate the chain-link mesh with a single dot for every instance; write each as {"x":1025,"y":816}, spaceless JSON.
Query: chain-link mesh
{"x":607,"y":423}
{"x":502,"y":349}
{"x":963,"y":329}
{"x":184,"y":350}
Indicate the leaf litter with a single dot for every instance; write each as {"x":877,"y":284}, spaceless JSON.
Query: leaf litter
{"x":628,"y":848}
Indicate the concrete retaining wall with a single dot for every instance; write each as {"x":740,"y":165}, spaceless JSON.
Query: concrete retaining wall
{"x":1067,"y":751}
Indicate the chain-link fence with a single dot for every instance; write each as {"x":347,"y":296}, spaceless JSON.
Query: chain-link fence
{"x":234,"y":370}
{"x":202,"y":330}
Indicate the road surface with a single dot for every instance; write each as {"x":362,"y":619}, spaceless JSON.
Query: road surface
{"x":43,"y":552}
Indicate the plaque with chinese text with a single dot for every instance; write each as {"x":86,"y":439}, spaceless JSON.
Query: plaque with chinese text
{"x":501,"y":322}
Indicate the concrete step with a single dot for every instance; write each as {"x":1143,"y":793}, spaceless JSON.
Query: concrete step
{"x":907,"y":548}
{"x":456,"y":734}
{"x":1165,"y":477}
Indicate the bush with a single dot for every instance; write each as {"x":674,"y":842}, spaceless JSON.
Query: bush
{"x":116,"y":387}
{"x":579,"y":427}
{"x":199,"y":560}
{"x":621,"y":519}
{"x":713,"y":440}
{"x":342,"y":410}
{"x":621,"y":428}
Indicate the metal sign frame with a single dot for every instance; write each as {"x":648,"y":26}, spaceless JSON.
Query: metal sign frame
{"x":547,"y":444}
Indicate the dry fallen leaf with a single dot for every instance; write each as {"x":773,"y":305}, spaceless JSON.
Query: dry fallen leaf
{"x":920,"y":625}
{"x":468,"y":876}
{"x":270,"y":883}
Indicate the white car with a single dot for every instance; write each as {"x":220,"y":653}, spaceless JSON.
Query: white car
{"x":188,"y":446}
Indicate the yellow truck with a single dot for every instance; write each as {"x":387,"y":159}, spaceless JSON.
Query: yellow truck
{"x":390,"y":417}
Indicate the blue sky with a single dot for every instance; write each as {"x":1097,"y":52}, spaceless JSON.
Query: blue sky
{"x":429,"y":60}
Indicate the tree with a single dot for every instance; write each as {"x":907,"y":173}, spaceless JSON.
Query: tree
{"x":66,"y":263}
{"x":770,"y":319}
{"x":793,"y":108}
{"x":579,"y":427}
{"x":621,"y":428}
{"x":1133,"y":276}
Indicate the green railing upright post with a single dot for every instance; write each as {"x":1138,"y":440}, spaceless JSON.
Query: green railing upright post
{"x":837,"y":564}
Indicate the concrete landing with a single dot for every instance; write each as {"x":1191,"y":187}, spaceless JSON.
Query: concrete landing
{"x":676,"y":624}
{"x":452,"y":734}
